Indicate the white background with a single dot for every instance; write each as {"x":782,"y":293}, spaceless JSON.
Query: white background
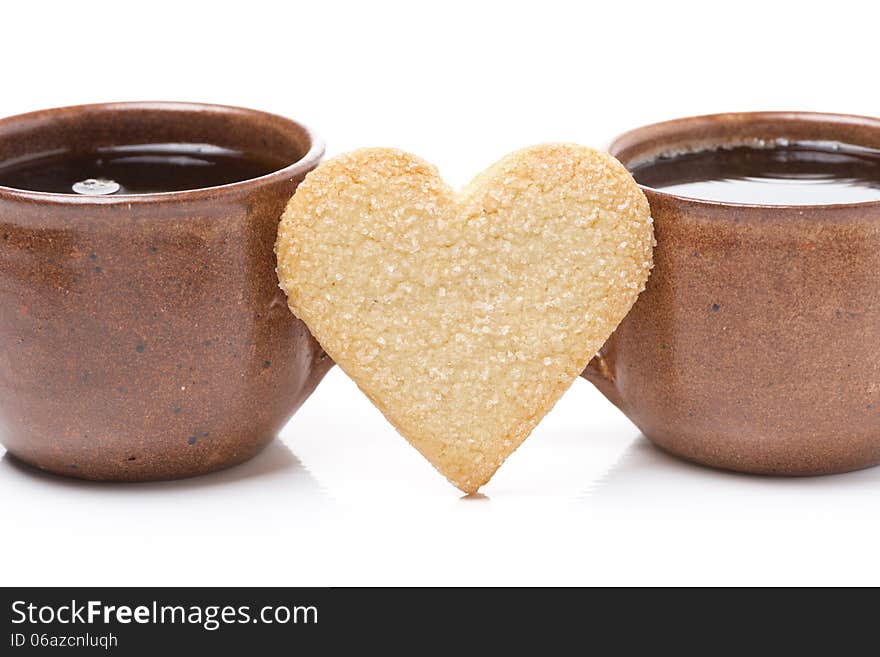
{"x":342,"y":499}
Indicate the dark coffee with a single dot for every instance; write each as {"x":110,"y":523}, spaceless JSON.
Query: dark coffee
{"x":777,"y":173}
{"x":136,"y":169}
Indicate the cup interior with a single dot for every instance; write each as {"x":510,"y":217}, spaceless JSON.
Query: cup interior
{"x":701,"y":132}
{"x":89,"y":128}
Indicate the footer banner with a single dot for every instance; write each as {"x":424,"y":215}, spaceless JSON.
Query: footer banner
{"x":270,"y":621}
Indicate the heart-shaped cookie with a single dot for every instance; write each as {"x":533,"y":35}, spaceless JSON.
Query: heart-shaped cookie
{"x":465,"y":316}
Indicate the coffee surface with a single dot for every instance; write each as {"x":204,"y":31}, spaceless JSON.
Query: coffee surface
{"x":137,"y":169}
{"x":782,"y":173}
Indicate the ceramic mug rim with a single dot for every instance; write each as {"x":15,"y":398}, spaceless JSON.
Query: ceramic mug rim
{"x":680,"y":128}
{"x":308,"y":161}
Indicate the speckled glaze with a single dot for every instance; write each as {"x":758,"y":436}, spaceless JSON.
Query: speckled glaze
{"x":145,"y":337}
{"x":756,"y":345}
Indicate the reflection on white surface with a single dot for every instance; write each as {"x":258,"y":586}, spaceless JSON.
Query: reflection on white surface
{"x":229,"y":500}
{"x":654,"y":480}
{"x":343,"y":499}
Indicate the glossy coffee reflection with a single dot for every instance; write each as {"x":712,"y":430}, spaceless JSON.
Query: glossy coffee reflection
{"x":777,"y":172}
{"x":137,"y":169}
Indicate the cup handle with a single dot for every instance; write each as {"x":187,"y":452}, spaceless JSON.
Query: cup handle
{"x":600,"y":374}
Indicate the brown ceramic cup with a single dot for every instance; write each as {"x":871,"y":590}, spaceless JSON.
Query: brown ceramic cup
{"x":756,"y":344}
{"x":145,"y":337}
